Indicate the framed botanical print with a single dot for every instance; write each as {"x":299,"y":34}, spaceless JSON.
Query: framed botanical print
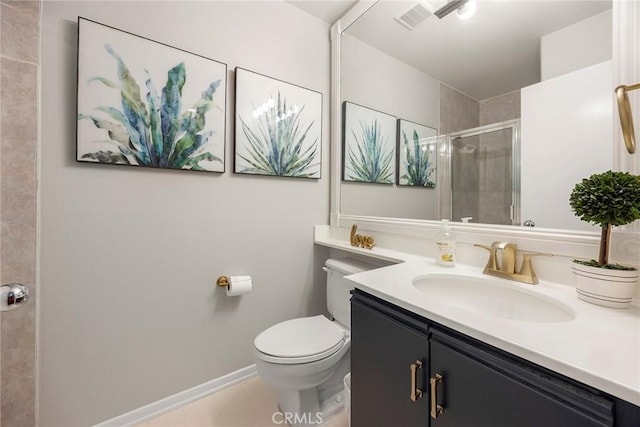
{"x":278,"y":127}
{"x":417,"y":154}
{"x":144,"y":103}
{"x":368,"y":145}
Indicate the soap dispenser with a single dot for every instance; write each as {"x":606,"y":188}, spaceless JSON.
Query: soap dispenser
{"x":446,"y":245}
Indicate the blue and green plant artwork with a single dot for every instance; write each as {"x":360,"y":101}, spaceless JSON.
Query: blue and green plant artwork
{"x":138,"y":124}
{"x":418,"y":168}
{"x":418,"y":152}
{"x":368,"y":158}
{"x":276,"y":141}
{"x":278,"y":127}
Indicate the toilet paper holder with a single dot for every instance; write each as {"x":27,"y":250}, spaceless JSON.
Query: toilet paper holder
{"x":222,"y":281}
{"x":236,"y":285}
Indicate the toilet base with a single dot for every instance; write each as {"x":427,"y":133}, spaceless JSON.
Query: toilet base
{"x":301,"y":408}
{"x":332,"y":406}
{"x":313,"y":406}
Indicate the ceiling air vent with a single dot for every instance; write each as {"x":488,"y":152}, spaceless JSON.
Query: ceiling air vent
{"x":415,"y":16}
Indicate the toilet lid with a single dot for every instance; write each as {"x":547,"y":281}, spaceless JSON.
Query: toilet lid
{"x":297,"y":338}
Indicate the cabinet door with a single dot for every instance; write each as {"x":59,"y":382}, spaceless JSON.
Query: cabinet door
{"x":382,"y":351}
{"x":481,"y":388}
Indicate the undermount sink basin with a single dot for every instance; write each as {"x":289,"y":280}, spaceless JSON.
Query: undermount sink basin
{"x":492,"y":296}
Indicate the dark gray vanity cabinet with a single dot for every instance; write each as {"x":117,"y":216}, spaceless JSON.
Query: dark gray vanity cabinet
{"x":481,"y":388}
{"x":465,"y":382}
{"x":389,"y":350}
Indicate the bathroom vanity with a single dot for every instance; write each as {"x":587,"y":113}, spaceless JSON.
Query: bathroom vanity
{"x":441,"y":346}
{"x":410,"y":370}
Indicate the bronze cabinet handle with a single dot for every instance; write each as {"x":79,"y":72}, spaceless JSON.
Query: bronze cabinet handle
{"x":416,"y":393}
{"x":436,"y":409}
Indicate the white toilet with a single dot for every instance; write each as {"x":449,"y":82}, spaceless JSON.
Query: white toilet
{"x":306,"y":359}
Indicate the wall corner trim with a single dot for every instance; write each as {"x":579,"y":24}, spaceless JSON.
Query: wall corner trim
{"x":177,"y":400}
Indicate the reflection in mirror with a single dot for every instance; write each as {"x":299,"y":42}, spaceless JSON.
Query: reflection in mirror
{"x":484,"y":169}
{"x":541,"y":67}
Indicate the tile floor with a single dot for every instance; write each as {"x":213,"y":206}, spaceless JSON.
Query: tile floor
{"x":250,"y":403}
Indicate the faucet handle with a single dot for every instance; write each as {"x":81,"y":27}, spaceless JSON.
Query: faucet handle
{"x":526,"y":269}
{"x":492,"y":263}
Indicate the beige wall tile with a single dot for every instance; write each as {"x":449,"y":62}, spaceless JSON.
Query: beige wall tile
{"x":18,"y":141}
{"x":17,"y":397}
{"x":18,"y":158}
{"x":18,"y":200}
{"x":19,"y":21}
{"x":19,"y":100}
{"x":501,"y":108}
{"x":457,"y":111}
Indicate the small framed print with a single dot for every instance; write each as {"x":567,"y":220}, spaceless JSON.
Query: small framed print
{"x":417,"y":154}
{"x":368,"y":145}
{"x":278,"y":127}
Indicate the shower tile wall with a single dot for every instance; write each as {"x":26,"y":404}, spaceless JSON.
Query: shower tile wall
{"x":457,"y":111}
{"x":494,"y":182}
{"x":500,"y":108}
{"x":465,"y":164}
{"x":18,"y":143}
{"x":495,"y":188}
{"x":480,"y":183}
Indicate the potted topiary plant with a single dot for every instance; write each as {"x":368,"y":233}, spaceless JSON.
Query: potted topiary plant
{"x":606,"y":199}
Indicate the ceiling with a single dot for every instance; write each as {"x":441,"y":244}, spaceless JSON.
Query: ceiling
{"x":494,"y":52}
{"x":329,"y":10}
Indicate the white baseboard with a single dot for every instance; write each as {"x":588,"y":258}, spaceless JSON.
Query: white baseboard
{"x":170,"y":403}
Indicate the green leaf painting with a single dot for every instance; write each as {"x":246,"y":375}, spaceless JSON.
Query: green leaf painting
{"x":367,"y":160}
{"x":418,"y":153}
{"x":275,"y":142}
{"x":369,"y":152}
{"x":277,"y":127}
{"x":135,"y":123}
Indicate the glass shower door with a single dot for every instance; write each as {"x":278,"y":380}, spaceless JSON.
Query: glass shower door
{"x":485,"y":174}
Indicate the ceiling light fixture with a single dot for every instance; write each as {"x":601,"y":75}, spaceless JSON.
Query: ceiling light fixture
{"x":449,"y":7}
{"x":467,"y":10}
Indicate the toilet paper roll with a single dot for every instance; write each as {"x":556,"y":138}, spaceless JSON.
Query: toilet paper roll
{"x":239,"y":285}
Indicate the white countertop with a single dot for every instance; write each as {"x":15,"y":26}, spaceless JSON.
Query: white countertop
{"x":599,"y":347}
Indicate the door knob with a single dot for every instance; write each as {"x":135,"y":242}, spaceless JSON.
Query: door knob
{"x":12,"y":296}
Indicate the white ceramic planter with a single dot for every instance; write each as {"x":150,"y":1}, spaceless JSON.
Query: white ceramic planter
{"x":601,"y":286}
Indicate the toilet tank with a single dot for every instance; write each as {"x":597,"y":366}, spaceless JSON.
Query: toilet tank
{"x":338,"y":296}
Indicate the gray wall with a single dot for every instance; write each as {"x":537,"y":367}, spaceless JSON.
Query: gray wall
{"x":577,"y":46}
{"x":129,"y":310}
{"x":376,"y":80}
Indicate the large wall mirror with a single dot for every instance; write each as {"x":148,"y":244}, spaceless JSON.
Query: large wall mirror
{"x":520,"y":95}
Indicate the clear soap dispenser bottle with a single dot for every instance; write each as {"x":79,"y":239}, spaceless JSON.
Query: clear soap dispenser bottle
{"x":446,"y":245}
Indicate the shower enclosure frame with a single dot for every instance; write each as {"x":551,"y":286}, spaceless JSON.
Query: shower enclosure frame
{"x":446,"y":154}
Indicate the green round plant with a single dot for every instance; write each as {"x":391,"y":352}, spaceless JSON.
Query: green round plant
{"x":607,"y":199}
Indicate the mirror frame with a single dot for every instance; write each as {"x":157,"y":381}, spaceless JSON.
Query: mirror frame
{"x":626,"y":64}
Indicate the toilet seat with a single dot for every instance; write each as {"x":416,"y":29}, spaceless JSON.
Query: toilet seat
{"x":301,"y":340}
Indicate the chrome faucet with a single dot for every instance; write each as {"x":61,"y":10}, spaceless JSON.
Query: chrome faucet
{"x":506,"y":267}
